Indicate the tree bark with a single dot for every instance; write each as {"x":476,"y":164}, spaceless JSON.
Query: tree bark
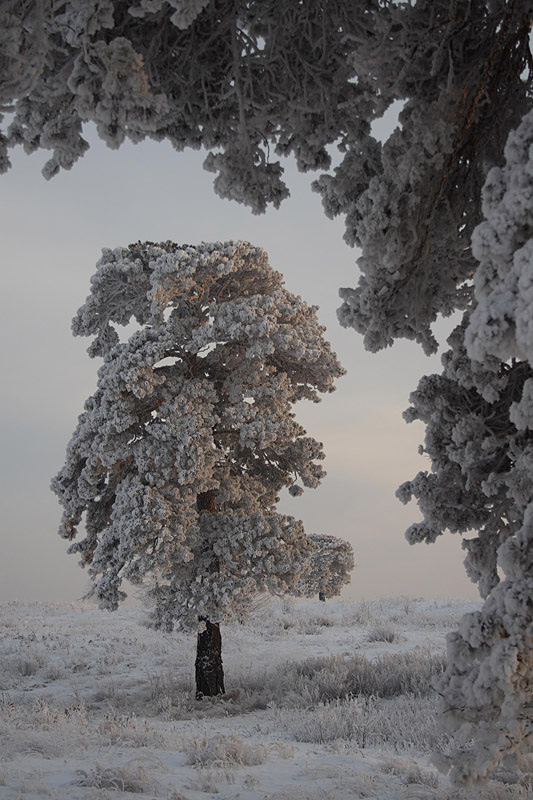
{"x":209,"y":670}
{"x":208,"y":666}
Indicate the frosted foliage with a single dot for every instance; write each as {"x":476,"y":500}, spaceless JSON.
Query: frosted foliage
{"x":180,"y":454}
{"x":413,"y":206}
{"x":502,"y":322}
{"x":254,"y":80}
{"x":185,"y":11}
{"x":479,"y":439}
{"x":478,"y":420}
{"x":329,"y":567}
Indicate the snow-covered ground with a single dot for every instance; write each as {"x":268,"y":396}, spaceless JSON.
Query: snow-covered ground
{"x":325,"y":701}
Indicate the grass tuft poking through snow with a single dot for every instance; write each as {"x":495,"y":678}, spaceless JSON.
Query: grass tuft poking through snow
{"x":410,"y":772}
{"x":383,"y":633}
{"x":133,"y":777}
{"x":225,"y":750}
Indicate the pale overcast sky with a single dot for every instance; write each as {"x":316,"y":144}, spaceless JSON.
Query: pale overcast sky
{"x":52,"y":235}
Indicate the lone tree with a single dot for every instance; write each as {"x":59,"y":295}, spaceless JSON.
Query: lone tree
{"x":328,"y":569}
{"x":179,"y":456}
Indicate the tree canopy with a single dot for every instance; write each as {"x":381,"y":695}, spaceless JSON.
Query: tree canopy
{"x":179,"y":456}
{"x":255,"y":80}
{"x":328,"y":569}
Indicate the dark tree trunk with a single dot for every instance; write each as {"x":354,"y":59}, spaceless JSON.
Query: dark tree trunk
{"x":209,"y":670}
{"x":322,"y":597}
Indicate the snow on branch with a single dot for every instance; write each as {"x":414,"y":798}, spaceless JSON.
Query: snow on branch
{"x":479,"y":425}
{"x":253,"y":81}
{"x":502,"y":321}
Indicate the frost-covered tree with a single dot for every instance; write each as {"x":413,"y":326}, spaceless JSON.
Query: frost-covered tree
{"x":328,"y":569}
{"x":255,"y":80}
{"x":179,"y":456}
{"x":481,"y":453}
{"x":479,"y":418}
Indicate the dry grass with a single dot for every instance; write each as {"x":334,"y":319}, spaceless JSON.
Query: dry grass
{"x":405,"y":723}
{"x":383,"y":633}
{"x":133,"y":777}
{"x":225,"y":751}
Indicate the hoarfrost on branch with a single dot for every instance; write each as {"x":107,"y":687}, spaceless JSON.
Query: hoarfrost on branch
{"x":179,"y":456}
{"x":253,"y":81}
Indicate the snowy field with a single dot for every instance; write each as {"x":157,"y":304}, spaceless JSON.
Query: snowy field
{"x":325,"y":701}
